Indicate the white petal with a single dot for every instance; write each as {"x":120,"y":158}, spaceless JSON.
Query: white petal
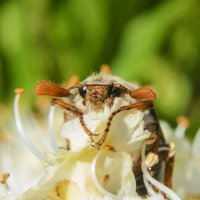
{"x":73,"y":131}
{"x":81,"y":175}
{"x":127,"y":131}
{"x":112,"y":173}
{"x":156,"y":197}
{"x":196,"y":146}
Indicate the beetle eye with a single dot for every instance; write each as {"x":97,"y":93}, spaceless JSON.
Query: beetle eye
{"x":114,"y":91}
{"x":82,"y":91}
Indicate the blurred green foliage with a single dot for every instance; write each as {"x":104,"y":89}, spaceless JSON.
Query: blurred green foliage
{"x":152,"y":42}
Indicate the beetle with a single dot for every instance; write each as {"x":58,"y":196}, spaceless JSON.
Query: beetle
{"x":102,"y":89}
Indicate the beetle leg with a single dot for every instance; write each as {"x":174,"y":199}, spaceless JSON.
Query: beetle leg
{"x":143,"y":105}
{"x":166,"y":154}
{"x":76,"y":112}
{"x":169,"y":165}
{"x":169,"y":171}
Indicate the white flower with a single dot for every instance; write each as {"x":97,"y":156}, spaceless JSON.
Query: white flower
{"x":186,"y":175}
{"x":85,"y":172}
{"x":126,"y":131}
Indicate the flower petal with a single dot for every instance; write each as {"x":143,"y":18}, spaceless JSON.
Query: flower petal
{"x":112,"y":173}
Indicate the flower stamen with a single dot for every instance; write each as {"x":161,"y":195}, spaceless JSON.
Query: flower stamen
{"x":21,"y":133}
{"x":50,"y":130}
{"x":183,"y":124}
{"x":105,"y":69}
{"x":3,"y":180}
{"x":148,"y":180}
{"x":95,"y":179}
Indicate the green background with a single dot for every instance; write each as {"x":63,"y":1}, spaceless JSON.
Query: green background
{"x":152,"y":42}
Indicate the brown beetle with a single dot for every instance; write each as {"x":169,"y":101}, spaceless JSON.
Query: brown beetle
{"x":103,"y":89}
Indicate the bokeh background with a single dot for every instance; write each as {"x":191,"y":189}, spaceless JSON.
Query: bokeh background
{"x":151,"y":42}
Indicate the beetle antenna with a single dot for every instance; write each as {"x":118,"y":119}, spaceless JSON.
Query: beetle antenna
{"x":143,"y":93}
{"x":51,"y":89}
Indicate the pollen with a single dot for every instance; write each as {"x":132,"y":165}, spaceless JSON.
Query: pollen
{"x":106,"y":179}
{"x":4,"y":178}
{"x":109,"y":148}
{"x":19,"y":91}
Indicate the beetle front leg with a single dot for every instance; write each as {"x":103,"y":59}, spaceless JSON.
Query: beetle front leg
{"x":72,"y":109}
{"x":143,"y":105}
